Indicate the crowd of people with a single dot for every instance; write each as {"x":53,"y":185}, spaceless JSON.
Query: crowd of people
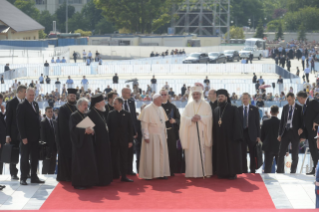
{"x":166,"y":53}
{"x":196,"y":142}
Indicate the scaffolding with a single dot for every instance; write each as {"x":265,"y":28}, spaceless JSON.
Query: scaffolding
{"x":202,"y":17}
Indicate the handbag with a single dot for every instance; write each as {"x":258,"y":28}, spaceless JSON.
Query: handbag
{"x":46,"y":166}
{"x":42,"y":150}
{"x":10,"y":154}
{"x":258,"y":156}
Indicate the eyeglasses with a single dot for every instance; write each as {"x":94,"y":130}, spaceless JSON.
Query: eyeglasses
{"x":164,"y":94}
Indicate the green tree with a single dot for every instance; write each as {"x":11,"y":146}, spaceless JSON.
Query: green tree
{"x":302,"y":33}
{"x":11,"y":1}
{"x":104,"y":27}
{"x":260,"y":30}
{"x":61,"y":16}
{"x":235,"y":33}
{"x":308,"y":16}
{"x":77,"y":21}
{"x":46,"y":20}
{"x":28,"y":7}
{"x":279,"y":33}
{"x":42,"y":34}
{"x":243,"y":10}
{"x":92,"y":14}
{"x":83,"y":33}
{"x":137,"y":15}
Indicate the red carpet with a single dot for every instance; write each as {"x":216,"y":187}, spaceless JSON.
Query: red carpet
{"x":247,"y":192}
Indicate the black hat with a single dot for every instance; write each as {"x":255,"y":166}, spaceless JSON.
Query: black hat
{"x":223,"y":92}
{"x":95,"y":99}
{"x":72,"y":91}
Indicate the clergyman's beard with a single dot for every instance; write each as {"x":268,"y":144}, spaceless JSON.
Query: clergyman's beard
{"x":222,"y":104}
{"x":102,"y":109}
{"x":71,"y":102}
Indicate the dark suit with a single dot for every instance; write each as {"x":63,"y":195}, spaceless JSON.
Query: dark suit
{"x":250,"y":136}
{"x":289,"y":135}
{"x":48,"y":135}
{"x":2,"y":136}
{"x":213,"y":105}
{"x":121,"y":134}
{"x":268,"y":135}
{"x":12,"y":128}
{"x":29,"y":127}
{"x":132,"y":110}
{"x":311,"y":115}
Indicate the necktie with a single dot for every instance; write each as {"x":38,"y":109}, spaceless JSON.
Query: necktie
{"x":51,"y":122}
{"x":304,"y":108}
{"x":126,"y":106}
{"x":245,"y":118}
{"x":290,"y":112}
{"x":33,"y":107}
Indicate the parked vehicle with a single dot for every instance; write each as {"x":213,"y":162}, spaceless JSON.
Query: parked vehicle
{"x":247,"y":50}
{"x":232,"y":55}
{"x":217,"y":57}
{"x":196,"y":58}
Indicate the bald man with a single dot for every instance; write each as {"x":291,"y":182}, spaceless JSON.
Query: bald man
{"x":129,"y":105}
{"x":212,"y":99}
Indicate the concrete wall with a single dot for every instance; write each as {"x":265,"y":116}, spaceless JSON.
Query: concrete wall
{"x":33,"y":35}
{"x":288,"y":36}
{"x":128,"y":52}
{"x":209,"y":41}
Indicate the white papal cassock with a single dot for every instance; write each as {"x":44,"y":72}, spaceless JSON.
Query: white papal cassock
{"x":189,"y":139}
{"x":154,"y":161}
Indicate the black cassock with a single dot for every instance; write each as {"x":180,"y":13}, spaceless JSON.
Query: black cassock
{"x":172,"y":137}
{"x":64,"y":144}
{"x":102,"y":147}
{"x":227,"y":141}
{"x":84,"y":169}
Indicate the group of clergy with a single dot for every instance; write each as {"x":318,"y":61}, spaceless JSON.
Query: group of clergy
{"x":170,"y":143}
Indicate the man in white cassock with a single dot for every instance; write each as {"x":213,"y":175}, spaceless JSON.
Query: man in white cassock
{"x":198,"y":154}
{"x":154,"y":161}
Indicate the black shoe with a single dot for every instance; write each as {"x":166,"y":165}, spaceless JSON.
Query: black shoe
{"x":2,"y":186}
{"x":172,"y":175}
{"x":37,"y":180}
{"x":163,"y":178}
{"x":79,"y":187}
{"x":28,"y":176}
{"x":233,"y":177}
{"x":126,"y":180}
{"x":132,"y":174}
{"x":312,"y":172}
{"x":14,"y":177}
{"x":23,"y":182}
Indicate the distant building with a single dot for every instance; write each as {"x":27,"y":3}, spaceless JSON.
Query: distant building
{"x":53,"y":5}
{"x":16,"y":25}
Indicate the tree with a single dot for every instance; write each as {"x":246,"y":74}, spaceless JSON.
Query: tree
{"x":302,"y":33}
{"x":83,"y":33}
{"x":104,"y":27}
{"x":137,"y":15}
{"x":243,"y":10}
{"x":92,"y":14}
{"x":61,"y":16}
{"x":78,"y":22}
{"x":236,"y":33}
{"x":46,"y":20}
{"x":308,"y":16}
{"x":273,"y":25}
{"x":279,"y":33}
{"x":28,"y":7}
{"x":42,"y":34}
{"x":260,"y":30}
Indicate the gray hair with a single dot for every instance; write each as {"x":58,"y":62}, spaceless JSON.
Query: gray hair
{"x":81,"y":100}
{"x":30,"y":89}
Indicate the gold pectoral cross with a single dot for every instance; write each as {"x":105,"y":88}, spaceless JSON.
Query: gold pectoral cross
{"x":220,"y":122}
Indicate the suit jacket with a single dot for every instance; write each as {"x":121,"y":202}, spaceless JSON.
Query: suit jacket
{"x":213,"y":105}
{"x":297,"y":120}
{"x":2,"y":129}
{"x":131,"y":103}
{"x":11,"y":119}
{"x":28,"y":121}
{"x":269,"y":134}
{"x":310,"y":116}
{"x":253,"y":122}
{"x":48,"y":134}
{"x":120,"y":128}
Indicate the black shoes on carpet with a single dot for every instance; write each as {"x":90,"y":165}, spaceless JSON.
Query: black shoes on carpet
{"x":126,"y":180}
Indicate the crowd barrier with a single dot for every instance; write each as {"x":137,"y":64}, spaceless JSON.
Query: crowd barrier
{"x":15,"y":73}
{"x":157,"y":69}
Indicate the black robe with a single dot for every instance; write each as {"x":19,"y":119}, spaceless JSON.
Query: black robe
{"x":108,"y":108}
{"x":172,"y":137}
{"x":84,"y":169}
{"x":64,"y":144}
{"x":227,"y":140}
{"x":102,"y":147}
